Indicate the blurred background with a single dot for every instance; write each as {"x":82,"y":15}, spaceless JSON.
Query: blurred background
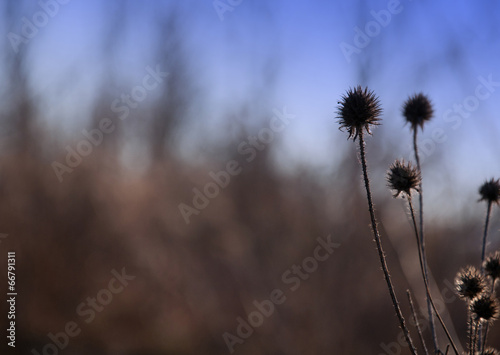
{"x":195,"y":145}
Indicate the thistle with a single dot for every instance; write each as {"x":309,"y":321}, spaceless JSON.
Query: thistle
{"x":469,"y":283}
{"x":492,"y":266}
{"x":484,"y":308}
{"x":403,"y":178}
{"x":490,"y":192}
{"x":417,"y":110}
{"x":358,"y":110}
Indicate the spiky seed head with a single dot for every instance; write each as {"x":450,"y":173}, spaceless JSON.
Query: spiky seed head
{"x":490,"y":191}
{"x":403,"y":177}
{"x":417,"y":110}
{"x":469,"y":283}
{"x":359,"y":109}
{"x":484,"y":308}
{"x":490,"y":351}
{"x":492,"y":265}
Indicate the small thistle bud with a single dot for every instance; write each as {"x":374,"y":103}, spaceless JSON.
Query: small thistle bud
{"x":469,"y":283}
{"x":359,"y":109}
{"x":492,"y":266}
{"x":490,"y":191}
{"x":417,"y":110}
{"x":403,"y":177}
{"x":484,"y":308}
{"x":490,"y":351}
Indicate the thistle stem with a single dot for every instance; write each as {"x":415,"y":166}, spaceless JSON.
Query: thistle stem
{"x":379,"y":246}
{"x":474,"y":337}
{"x":483,"y":254}
{"x":417,"y":324}
{"x":485,"y":337}
{"x":470,"y":333}
{"x":427,"y":290}
{"x":485,"y":234}
{"x":422,"y":240}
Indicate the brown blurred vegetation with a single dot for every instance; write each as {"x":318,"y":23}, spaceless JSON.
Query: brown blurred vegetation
{"x":193,"y":280}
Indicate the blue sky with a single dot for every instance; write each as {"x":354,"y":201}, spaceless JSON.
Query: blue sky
{"x":274,"y":54}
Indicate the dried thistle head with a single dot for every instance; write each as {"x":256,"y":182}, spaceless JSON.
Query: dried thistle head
{"x":417,"y":110}
{"x":490,"y":351}
{"x":484,"y":308}
{"x":359,"y":109}
{"x":492,"y":265}
{"x":490,"y":191}
{"x":403,"y":177}
{"x":469,"y":283}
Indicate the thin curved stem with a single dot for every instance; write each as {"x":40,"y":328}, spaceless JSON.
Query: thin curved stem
{"x":471,"y":335}
{"x":427,"y":290}
{"x":422,"y":240}
{"x":485,"y":234}
{"x":482,"y":345}
{"x":474,"y":338}
{"x":417,"y":324}
{"x":379,"y":246}
{"x":485,"y":337}
{"x":483,"y":255}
